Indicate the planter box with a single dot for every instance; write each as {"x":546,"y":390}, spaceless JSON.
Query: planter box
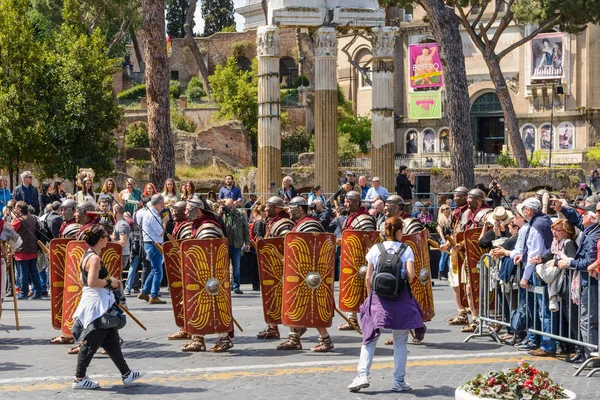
{"x":460,"y":394}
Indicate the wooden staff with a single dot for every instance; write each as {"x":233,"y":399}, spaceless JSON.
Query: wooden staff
{"x":159,"y":248}
{"x":14,"y":291}
{"x":132,"y":317}
{"x":352,"y":324}
{"x":237,"y":324}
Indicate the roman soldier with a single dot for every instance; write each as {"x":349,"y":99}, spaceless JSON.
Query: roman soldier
{"x":298,"y":209}
{"x":182,"y":226}
{"x":85,"y":216}
{"x":278,"y":224}
{"x":69,"y":227}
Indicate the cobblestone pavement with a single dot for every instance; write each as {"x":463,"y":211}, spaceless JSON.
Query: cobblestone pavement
{"x":31,"y":368}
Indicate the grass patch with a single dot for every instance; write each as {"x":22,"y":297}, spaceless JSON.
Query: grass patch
{"x":186,"y":172}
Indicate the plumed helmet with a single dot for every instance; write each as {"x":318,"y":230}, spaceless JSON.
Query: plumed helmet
{"x":477,"y":193}
{"x":275,"y":201}
{"x":71,"y":231}
{"x":461,"y":190}
{"x":395,"y":199}
{"x":364,"y":222}
{"x":298,"y":201}
{"x":353,"y":195}
{"x":310,"y":226}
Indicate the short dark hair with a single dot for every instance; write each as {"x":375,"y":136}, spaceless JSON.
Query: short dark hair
{"x":23,"y":207}
{"x":402,"y":168}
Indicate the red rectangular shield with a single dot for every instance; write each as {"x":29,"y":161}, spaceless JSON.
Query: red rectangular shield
{"x":459,"y":257}
{"x":353,"y":289}
{"x":206,"y":286}
{"x":308,"y":280}
{"x":58,"y":256}
{"x":174,"y":269}
{"x":269,"y":253}
{"x":474,"y":253}
{"x":420,"y":285}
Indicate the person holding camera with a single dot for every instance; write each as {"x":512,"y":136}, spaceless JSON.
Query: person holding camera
{"x":96,"y":300}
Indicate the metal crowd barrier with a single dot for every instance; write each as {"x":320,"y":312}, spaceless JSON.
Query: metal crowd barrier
{"x":564,"y":323}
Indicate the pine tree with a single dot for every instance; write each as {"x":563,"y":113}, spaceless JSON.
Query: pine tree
{"x":176,"y":10}
{"x":217,"y":15}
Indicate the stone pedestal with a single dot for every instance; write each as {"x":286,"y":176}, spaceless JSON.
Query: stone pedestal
{"x":382,"y":113}
{"x":269,"y":124}
{"x":326,"y":103}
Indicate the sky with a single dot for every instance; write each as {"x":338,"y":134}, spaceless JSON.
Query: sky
{"x":238,"y":18}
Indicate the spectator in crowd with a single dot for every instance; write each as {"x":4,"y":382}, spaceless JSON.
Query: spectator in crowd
{"x":136,"y":251}
{"x":59,"y":193}
{"x":316,"y":194}
{"x":340,"y":196}
{"x":46,"y":196}
{"x":444,"y":228}
{"x":106,"y":218}
{"x":595,"y":180}
{"x":496,"y":193}
{"x":149,"y":190}
{"x":376,"y":192}
{"x":585,"y":190}
{"x":54,"y":220}
{"x":248,"y":207}
{"x":287,"y":191}
{"x":121,"y":234}
{"x":86,"y":193}
{"x":110,"y":192}
{"x":424,"y":216}
{"x":130,"y":196}
{"x":27,"y":192}
{"x":364,"y":186}
{"x":379,"y":212}
{"x":5,"y":195}
{"x":170,"y":193}
{"x":152,"y":233}
{"x":258,"y":228}
{"x":230,"y":191}
{"x":417,"y":209}
{"x":404,"y":183}
{"x":238,"y":235}
{"x":323,"y":214}
{"x":25,"y":224}
{"x":348,"y":177}
{"x":187,"y":191}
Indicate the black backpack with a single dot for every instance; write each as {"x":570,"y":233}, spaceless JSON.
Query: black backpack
{"x":389,"y":275}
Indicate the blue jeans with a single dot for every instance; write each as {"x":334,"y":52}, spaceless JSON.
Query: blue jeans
{"x":152,"y":284}
{"x":443,"y":261}
{"x":235,"y":255}
{"x":44,"y":279}
{"x":367,"y":352}
{"x":133,"y":271}
{"x":549,"y":319}
{"x":524,"y":295}
{"x":28,"y":270}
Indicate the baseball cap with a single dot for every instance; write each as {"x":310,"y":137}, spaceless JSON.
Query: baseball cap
{"x":582,"y":186}
{"x":350,"y":173}
{"x":531,"y":203}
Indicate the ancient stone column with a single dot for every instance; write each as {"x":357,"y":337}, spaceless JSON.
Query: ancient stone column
{"x":269,"y":124}
{"x":326,"y":102}
{"x":382,"y":113}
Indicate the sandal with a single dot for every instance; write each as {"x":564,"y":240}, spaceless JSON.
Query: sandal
{"x":179,"y":335}
{"x":74,"y":350}
{"x":270,"y":332}
{"x":346,"y":326}
{"x":62,"y":340}
{"x":197,"y":344}
{"x":292,"y":343}
{"x":222,"y":345}
{"x":470,"y":328}
{"x":325,"y":344}
{"x":460,"y":319}
{"x":389,"y":342}
{"x":419,"y":335}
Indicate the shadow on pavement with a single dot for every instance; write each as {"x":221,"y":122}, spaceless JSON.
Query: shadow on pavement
{"x":469,"y":346}
{"x":144,"y":389}
{"x":155,"y":354}
{"x":141,"y":344}
{"x":11,"y":366}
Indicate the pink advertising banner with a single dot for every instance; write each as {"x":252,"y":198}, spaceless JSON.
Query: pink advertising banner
{"x":425,"y":66}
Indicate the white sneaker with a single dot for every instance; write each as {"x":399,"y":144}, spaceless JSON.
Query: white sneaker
{"x":401,"y":386}
{"x":86,"y":384}
{"x":133,"y":376}
{"x":360,"y":382}
{"x":553,"y":304}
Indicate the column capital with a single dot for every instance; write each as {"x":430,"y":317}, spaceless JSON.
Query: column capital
{"x":383,"y":40}
{"x":267,"y":41}
{"x":326,"y":44}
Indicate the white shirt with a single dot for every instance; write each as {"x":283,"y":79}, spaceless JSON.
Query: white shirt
{"x":152,"y":229}
{"x":535,"y":247}
{"x":373,"y":193}
{"x":374,"y":253}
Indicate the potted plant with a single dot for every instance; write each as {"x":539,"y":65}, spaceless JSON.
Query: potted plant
{"x":522,"y":382}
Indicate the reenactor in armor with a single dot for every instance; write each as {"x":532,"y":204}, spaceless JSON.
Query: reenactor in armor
{"x":205,"y":225}
{"x":298,"y":209}
{"x":458,"y":223}
{"x":183,"y":227}
{"x":69,"y":227}
{"x":358,"y":220}
{"x":278,"y":224}
{"x":85,"y":216}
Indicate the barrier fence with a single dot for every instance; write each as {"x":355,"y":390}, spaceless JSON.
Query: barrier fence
{"x":561,"y":310}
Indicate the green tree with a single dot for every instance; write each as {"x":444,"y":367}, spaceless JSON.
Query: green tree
{"x":46,"y":16}
{"x":236,"y":94}
{"x":176,"y":11}
{"x":217,"y":15}
{"x":356,"y":127}
{"x":21,"y":118}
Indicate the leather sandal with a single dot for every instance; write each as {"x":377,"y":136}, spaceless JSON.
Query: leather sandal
{"x":472,"y":327}
{"x":62,"y":340}
{"x":460,"y":319}
{"x":325,"y":344}
{"x":270,"y":332}
{"x":346,"y":326}
{"x":74,"y":350}
{"x":222,"y":345}
{"x":292,"y":343}
{"x":197,"y":344}
{"x":179,"y":335}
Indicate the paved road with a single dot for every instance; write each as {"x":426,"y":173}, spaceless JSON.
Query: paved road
{"x":30,"y":368}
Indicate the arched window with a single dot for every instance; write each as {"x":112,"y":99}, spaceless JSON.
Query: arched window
{"x":288,"y":71}
{"x":412,"y":141}
{"x":244,"y":64}
{"x":528,"y":137}
{"x":428,"y":136}
{"x":363,"y":59}
{"x":444,"y":139}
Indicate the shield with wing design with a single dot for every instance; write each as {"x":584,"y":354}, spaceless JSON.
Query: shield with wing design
{"x":270,"y":268}
{"x":58,"y":256}
{"x":206,"y":286}
{"x":474,"y":253}
{"x":173,"y":268}
{"x":353,"y":267}
{"x":111,"y":257}
{"x":458,"y":260}
{"x":308,"y":280}
{"x":420,"y":284}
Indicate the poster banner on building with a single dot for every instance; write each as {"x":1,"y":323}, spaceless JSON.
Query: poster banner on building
{"x":425,"y":105}
{"x":425,"y":66}
{"x":548,"y":56}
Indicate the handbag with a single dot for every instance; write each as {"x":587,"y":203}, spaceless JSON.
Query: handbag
{"x":112,"y":318}
{"x":518,"y":319}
